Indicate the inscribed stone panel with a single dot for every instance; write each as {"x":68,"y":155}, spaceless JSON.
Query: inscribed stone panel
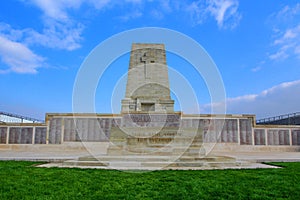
{"x":295,"y":137}
{"x":14,"y":135}
{"x":40,"y":135}
{"x":245,"y":132}
{"x":19,"y":135}
{"x":278,"y":137}
{"x":284,"y":138}
{"x":3,"y":132}
{"x":259,"y":137}
{"x":273,"y":138}
{"x":26,"y":135}
{"x":69,"y":130}
{"x":230,"y":131}
{"x":211,"y":130}
{"x":55,"y":126}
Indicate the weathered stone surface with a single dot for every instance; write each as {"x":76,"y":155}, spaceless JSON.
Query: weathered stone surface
{"x":62,"y":128}
{"x":55,"y":127}
{"x":245,"y":132}
{"x":278,"y":137}
{"x":230,"y":131}
{"x":20,"y":135}
{"x":296,"y":137}
{"x":148,"y":123}
{"x":259,"y":137}
{"x":40,"y":135}
{"x":3,"y":132}
{"x":147,"y":88}
{"x":155,"y":134}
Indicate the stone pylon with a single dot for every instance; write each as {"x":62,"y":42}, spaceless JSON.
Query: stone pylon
{"x":147,"y":89}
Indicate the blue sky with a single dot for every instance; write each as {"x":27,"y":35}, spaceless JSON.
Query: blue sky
{"x":255,"y":45}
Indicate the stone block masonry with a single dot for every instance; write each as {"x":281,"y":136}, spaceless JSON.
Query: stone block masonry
{"x":147,"y":120}
{"x":147,"y":88}
{"x":23,"y":134}
{"x":228,"y":129}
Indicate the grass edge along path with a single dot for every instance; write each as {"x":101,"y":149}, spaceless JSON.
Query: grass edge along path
{"x":21,"y":180}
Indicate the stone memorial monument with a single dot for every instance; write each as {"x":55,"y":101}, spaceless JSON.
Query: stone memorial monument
{"x":149,"y":125}
{"x":148,"y":133}
{"x":147,"y":88}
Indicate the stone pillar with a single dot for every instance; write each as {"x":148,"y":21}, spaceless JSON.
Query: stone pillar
{"x":62,"y":130}
{"x":33,"y":134}
{"x":147,"y":88}
{"x":7,"y":134}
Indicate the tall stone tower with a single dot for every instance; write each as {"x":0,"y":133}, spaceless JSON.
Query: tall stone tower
{"x":147,"y":89}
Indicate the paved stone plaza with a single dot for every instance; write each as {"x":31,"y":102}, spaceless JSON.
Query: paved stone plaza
{"x":61,"y":153}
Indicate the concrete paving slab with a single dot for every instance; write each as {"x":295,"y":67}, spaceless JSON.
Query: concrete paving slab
{"x":252,"y":159}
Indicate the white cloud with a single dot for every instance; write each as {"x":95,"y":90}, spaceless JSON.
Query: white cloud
{"x":287,"y":43}
{"x":11,"y":34}
{"x":198,"y":12}
{"x":60,"y":30}
{"x":134,"y":1}
{"x":256,"y":69}
{"x":98,"y":4}
{"x":166,"y":5}
{"x":57,"y":35}
{"x":225,"y":12}
{"x":287,"y":13}
{"x":18,"y":57}
{"x":131,"y":15}
{"x":287,"y":33}
{"x":279,"y":55}
{"x":56,"y":9}
{"x":280,"y":99}
{"x":157,"y":14}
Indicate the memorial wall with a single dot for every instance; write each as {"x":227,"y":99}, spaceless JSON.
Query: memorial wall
{"x":147,"y":111}
{"x":235,"y":129}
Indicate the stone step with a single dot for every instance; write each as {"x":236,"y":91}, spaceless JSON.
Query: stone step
{"x":207,"y":159}
{"x":138,"y":158}
{"x":168,"y":150}
{"x":84,"y":163}
{"x":165,"y":151}
{"x":190,"y":164}
{"x":154,"y":162}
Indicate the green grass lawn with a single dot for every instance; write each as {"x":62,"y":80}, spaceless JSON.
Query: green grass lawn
{"x":21,"y":180}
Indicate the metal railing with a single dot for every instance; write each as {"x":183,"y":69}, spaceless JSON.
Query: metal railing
{"x":277,"y":118}
{"x":19,"y":118}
